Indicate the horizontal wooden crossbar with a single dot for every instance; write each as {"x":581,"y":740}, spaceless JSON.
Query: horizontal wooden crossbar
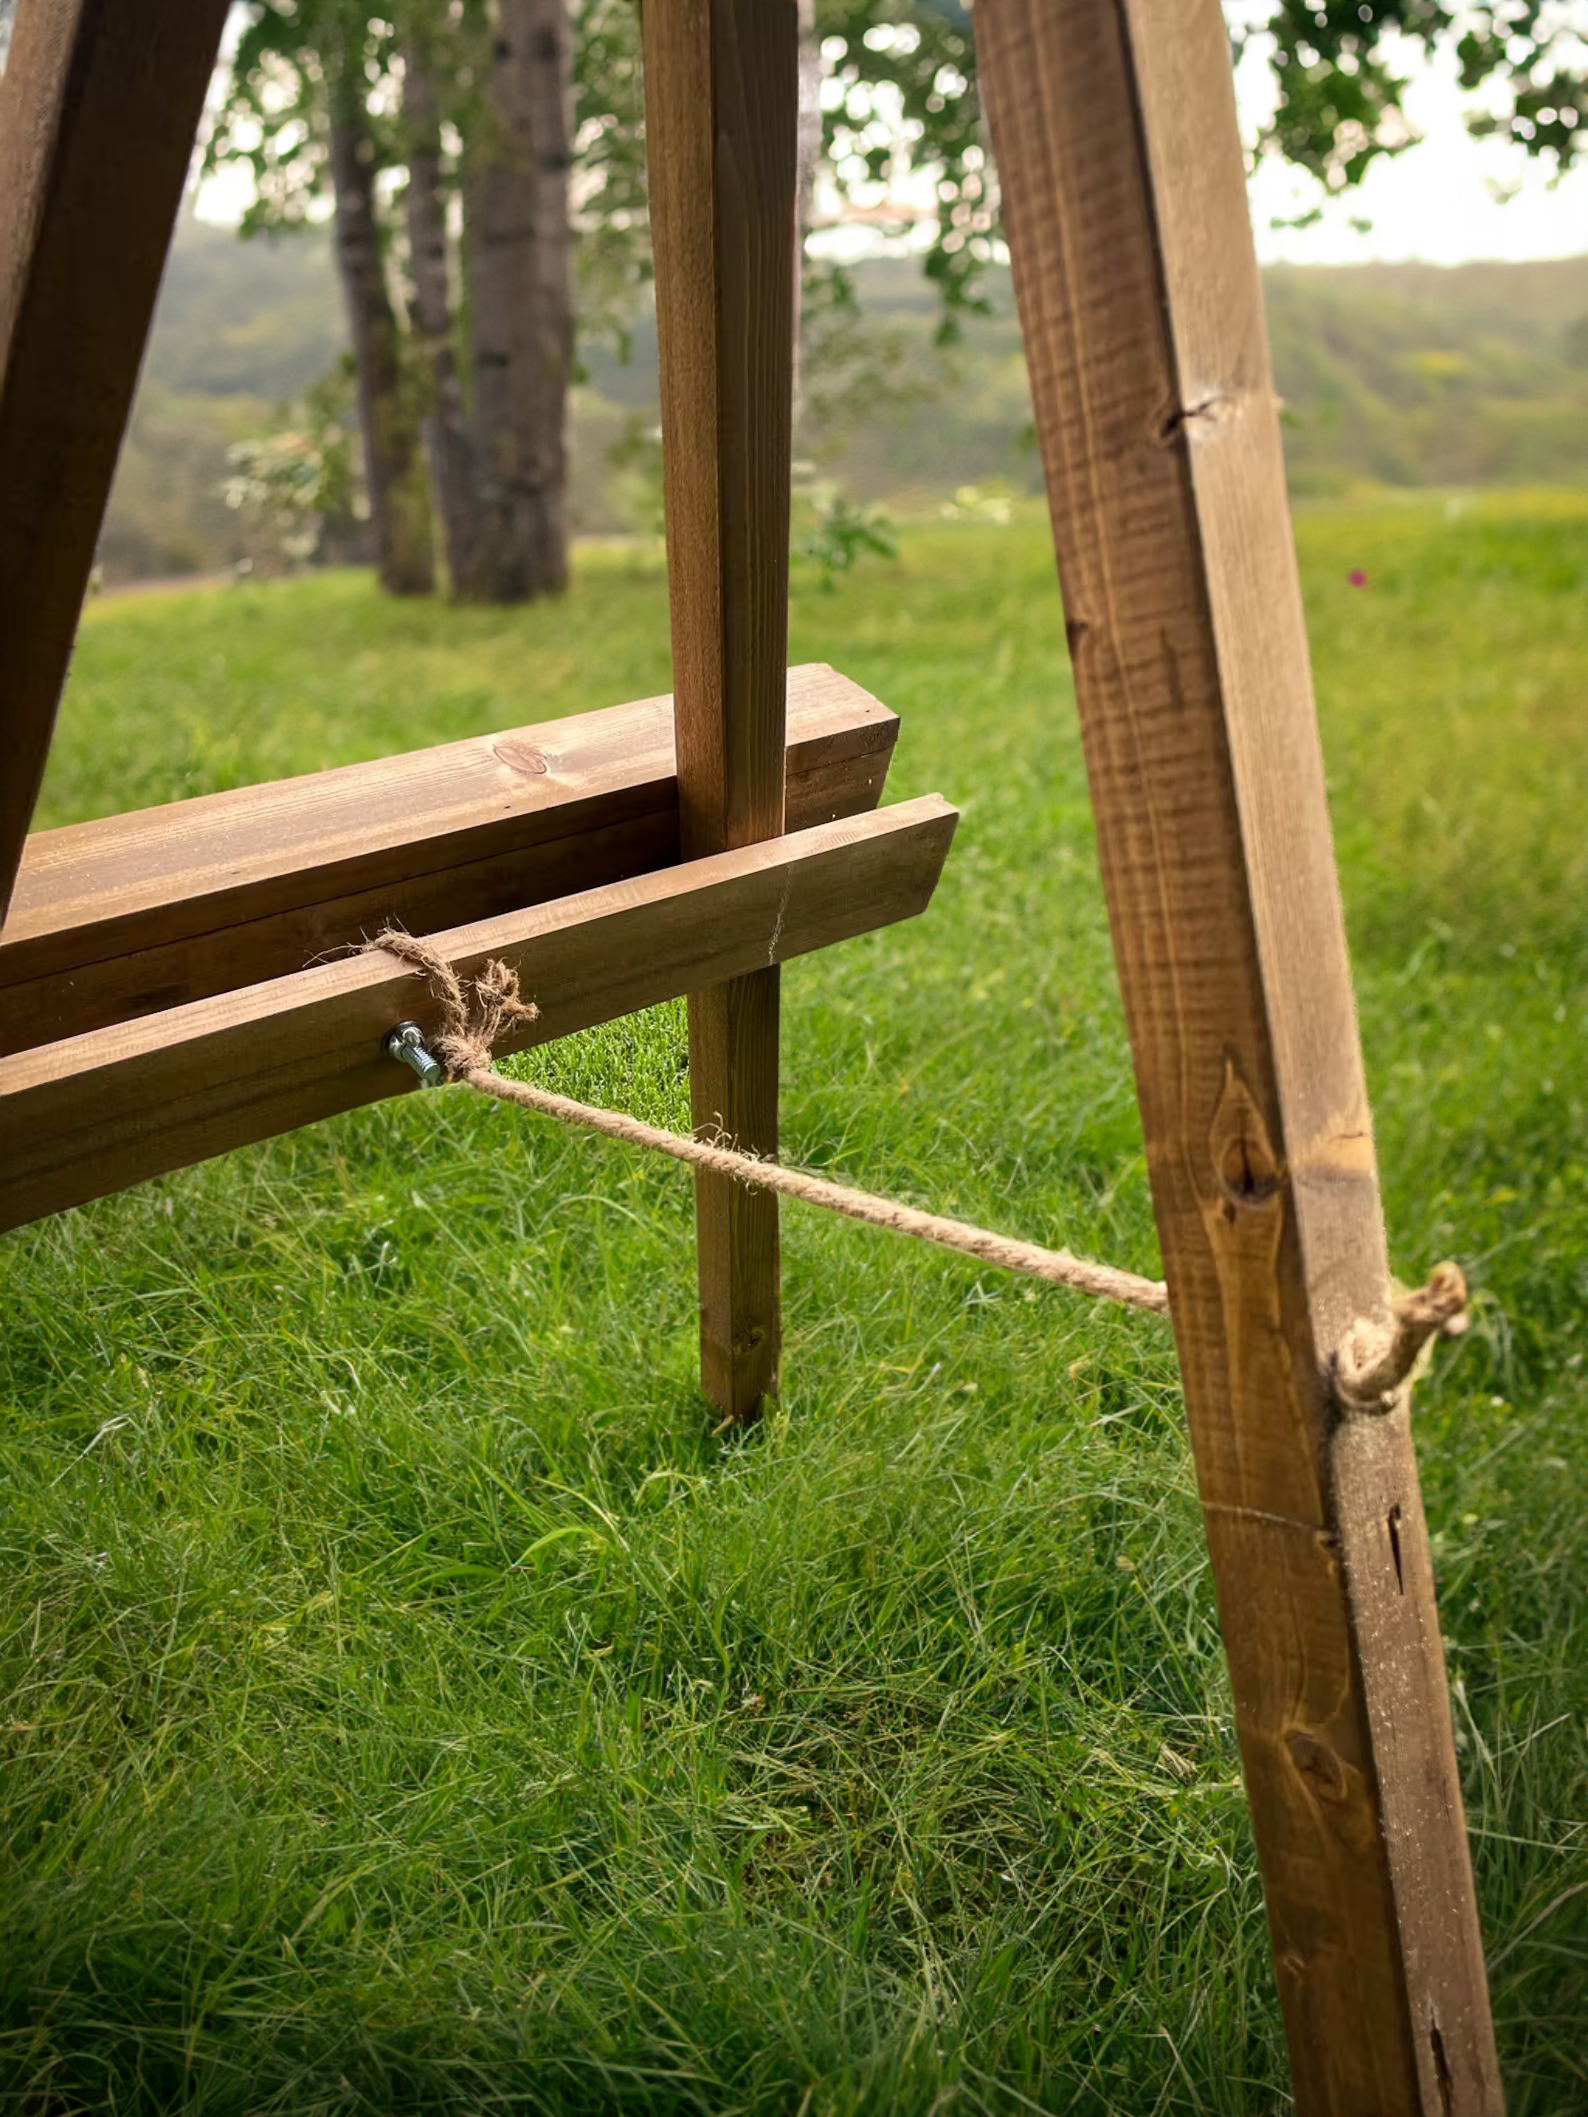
{"x":96,"y":1113}
{"x":138,"y":913}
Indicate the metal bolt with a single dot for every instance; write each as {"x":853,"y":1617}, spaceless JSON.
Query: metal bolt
{"x":406,"y":1043}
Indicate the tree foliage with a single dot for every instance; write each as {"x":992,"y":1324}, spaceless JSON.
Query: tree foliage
{"x":899,"y":101}
{"x":901,"y":96}
{"x":1340,"y":67}
{"x":274,"y":120}
{"x":902,"y":141}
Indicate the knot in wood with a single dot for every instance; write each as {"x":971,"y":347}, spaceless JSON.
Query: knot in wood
{"x":521,"y":757}
{"x":1245,"y":1166}
{"x":1318,"y":1765}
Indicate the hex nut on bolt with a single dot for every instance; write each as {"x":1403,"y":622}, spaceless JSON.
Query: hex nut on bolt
{"x":406,"y":1043}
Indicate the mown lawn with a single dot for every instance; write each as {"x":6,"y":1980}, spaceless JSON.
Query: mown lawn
{"x":412,"y":1703}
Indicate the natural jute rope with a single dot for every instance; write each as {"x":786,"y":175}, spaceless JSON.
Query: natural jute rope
{"x":1368,"y":1370}
{"x":473,"y":1018}
{"x":1375,"y":1358}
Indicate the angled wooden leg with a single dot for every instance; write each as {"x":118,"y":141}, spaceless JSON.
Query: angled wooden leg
{"x":721,"y":104}
{"x":1114,"y":127}
{"x":99,"y":103}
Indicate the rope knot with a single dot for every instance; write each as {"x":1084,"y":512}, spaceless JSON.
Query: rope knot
{"x":1376,"y":1360}
{"x":474,"y":1011}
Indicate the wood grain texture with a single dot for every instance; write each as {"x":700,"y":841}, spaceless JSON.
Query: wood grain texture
{"x":96,"y":1113}
{"x":721,"y":107}
{"x":99,"y":102}
{"x":1124,"y":199}
{"x":161,"y":907}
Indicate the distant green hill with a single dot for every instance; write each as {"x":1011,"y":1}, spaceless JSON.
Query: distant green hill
{"x":1417,"y":375}
{"x":1399,"y":375}
{"x":261,"y":318}
{"x":1403,"y":375}
{"x":240,"y":327}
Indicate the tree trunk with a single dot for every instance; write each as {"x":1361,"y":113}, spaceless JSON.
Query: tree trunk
{"x":393,"y":460}
{"x":522,"y":309}
{"x":446,"y":426}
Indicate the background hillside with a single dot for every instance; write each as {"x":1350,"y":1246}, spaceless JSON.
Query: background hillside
{"x":1392,"y":375}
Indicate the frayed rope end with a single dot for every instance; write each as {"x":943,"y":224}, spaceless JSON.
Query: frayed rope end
{"x":474,"y":1011}
{"x":1376,"y":1360}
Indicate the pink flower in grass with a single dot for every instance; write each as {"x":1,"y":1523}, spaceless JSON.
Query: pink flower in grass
{"x":1357,"y":577}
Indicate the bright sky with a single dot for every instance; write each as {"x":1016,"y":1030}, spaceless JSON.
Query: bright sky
{"x":1445,"y":200}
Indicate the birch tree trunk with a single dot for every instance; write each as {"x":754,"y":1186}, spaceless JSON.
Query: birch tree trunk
{"x":522,"y":309}
{"x":446,"y":425}
{"x":393,"y":460}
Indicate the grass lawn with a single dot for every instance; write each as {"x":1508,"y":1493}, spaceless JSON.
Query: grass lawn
{"x":412,"y":1704}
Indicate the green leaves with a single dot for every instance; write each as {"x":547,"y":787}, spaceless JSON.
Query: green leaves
{"x":900,"y":98}
{"x":1338,"y":67}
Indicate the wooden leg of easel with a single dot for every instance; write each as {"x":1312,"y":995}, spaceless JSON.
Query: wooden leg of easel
{"x":721,"y":103}
{"x":733,"y":1085}
{"x":1124,"y":199}
{"x":98,"y":106}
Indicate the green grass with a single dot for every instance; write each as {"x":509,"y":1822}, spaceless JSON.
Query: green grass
{"x":413,"y":1704}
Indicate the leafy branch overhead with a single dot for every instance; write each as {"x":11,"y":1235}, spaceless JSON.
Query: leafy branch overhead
{"x":900,"y":97}
{"x":899,"y":101}
{"x":1340,"y":69}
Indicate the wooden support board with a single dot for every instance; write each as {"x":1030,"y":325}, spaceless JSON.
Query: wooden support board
{"x":96,"y":1113}
{"x":161,"y":907}
{"x":1124,"y":199}
{"x":722,"y":94}
{"x":99,"y":102}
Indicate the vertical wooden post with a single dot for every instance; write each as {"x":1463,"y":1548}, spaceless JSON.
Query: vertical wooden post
{"x":99,"y":103}
{"x":721,"y":103}
{"x":1114,"y":127}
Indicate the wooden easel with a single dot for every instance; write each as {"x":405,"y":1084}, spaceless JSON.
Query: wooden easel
{"x":153,"y":1007}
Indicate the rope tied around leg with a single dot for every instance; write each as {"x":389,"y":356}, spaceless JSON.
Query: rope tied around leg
{"x":1369,"y":1369}
{"x":1376,"y":1360}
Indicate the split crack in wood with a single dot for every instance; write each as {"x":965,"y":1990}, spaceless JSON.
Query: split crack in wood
{"x":1201,"y":417}
{"x":474,"y":1013}
{"x":782,"y":915}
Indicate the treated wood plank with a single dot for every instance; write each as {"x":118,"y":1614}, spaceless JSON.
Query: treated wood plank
{"x":721,"y":104}
{"x":1124,"y":199}
{"x":99,"y":103}
{"x":96,"y":1113}
{"x":161,"y":907}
